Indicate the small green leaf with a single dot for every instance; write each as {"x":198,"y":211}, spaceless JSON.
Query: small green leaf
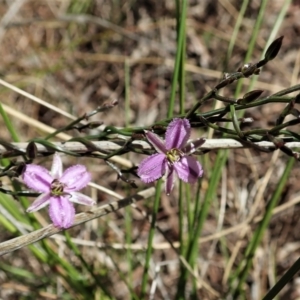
{"x":249,"y":97}
{"x":31,"y":150}
{"x":273,"y":49}
{"x":235,"y":122}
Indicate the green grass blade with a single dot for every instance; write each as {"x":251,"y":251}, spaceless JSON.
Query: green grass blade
{"x":192,"y":249}
{"x":284,"y":280}
{"x":252,"y":42}
{"x":236,"y":29}
{"x":257,"y":236}
{"x":150,"y":238}
{"x":178,"y":59}
{"x":9,"y":125}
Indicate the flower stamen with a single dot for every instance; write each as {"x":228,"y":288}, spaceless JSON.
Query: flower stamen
{"x":174,"y":155}
{"x":57,"y":188}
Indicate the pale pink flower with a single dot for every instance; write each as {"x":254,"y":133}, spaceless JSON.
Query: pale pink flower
{"x":59,"y":190}
{"x":173,"y":156}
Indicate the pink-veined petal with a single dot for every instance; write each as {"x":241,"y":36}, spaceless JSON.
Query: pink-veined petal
{"x":193,"y":146}
{"x":40,"y":202}
{"x":61,"y":212}
{"x":169,"y":184}
{"x":152,"y":167}
{"x":178,"y":133}
{"x":156,"y":142}
{"x":37,"y":178}
{"x":188,"y":169}
{"x":75,"y":178}
{"x":57,"y":167}
{"x":81,"y":199}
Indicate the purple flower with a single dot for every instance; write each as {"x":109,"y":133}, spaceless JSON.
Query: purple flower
{"x":59,"y":190}
{"x":173,"y":156}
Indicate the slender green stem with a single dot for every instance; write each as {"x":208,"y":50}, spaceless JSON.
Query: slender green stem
{"x":253,"y":41}
{"x":182,"y":71}
{"x":84,"y":263}
{"x":254,"y":242}
{"x":150,"y":239}
{"x":190,"y":210}
{"x":9,"y":125}
{"x":178,"y":59}
{"x":209,"y":95}
{"x":275,"y":30}
{"x":128,"y":230}
{"x":181,"y":206}
{"x":127,"y":92}
{"x":235,"y":121}
{"x":283,"y":281}
{"x":236,"y":29}
{"x":192,"y":252}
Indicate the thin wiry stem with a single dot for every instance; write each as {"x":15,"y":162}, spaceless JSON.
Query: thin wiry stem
{"x":107,"y":146}
{"x":37,"y":235}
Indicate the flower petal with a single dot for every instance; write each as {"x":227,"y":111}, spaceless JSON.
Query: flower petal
{"x":40,"y":202}
{"x":37,"y":178}
{"x":188,"y":169}
{"x":178,"y":133}
{"x":57,"y":167}
{"x":75,"y":178}
{"x":193,"y":146}
{"x":156,"y":142}
{"x":61,"y":212}
{"x":152,"y":167}
{"x":169,"y":184}
{"x":81,"y":199}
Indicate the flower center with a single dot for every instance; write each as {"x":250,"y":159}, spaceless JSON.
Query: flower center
{"x":57,"y":188}
{"x":174,"y":155}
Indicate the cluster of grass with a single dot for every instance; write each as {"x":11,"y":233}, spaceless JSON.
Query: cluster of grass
{"x":86,"y":78}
